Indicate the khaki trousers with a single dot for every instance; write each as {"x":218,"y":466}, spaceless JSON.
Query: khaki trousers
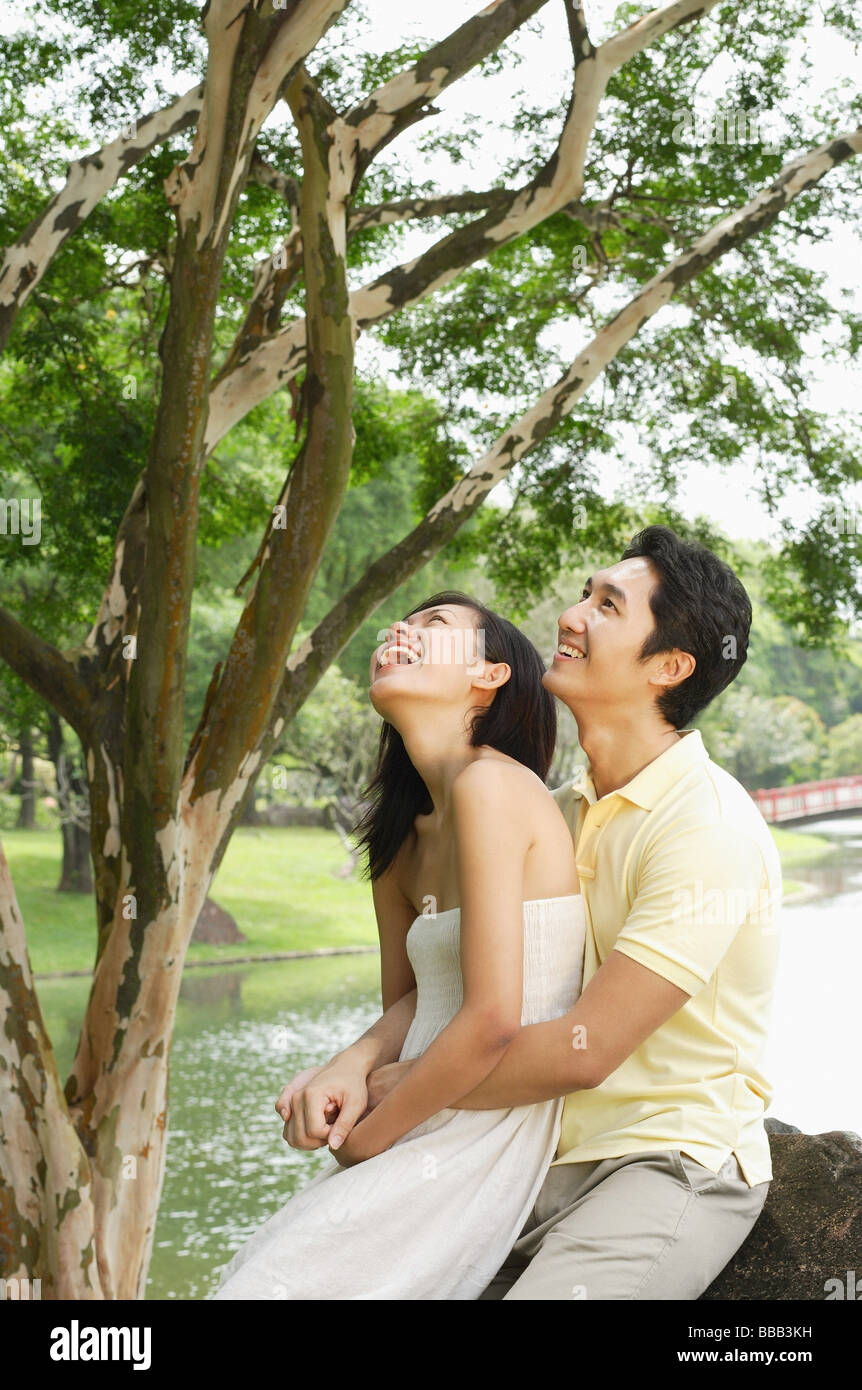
{"x":656,"y":1225}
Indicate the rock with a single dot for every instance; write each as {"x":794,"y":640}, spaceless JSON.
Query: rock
{"x":773,"y":1126}
{"x":810,"y":1229}
{"x":215,"y":926}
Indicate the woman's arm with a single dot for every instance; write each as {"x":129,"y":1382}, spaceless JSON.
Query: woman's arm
{"x":492,"y":841}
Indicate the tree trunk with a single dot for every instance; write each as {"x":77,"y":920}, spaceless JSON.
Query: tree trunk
{"x":73,"y":804}
{"x":76,"y":874}
{"x":250,"y":814}
{"x":27,"y":810}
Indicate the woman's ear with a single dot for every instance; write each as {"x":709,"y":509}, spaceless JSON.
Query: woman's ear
{"x":494,"y":674}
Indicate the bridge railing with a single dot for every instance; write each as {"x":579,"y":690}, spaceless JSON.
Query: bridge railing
{"x":809,"y":798}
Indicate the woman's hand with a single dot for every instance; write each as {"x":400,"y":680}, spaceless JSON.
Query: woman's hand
{"x":380,"y":1082}
{"x":321,"y":1103}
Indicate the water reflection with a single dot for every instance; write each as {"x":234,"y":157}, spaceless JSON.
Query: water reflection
{"x":204,"y":988}
{"x":812,"y":1055}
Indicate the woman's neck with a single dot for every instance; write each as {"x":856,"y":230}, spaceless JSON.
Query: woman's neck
{"x":438,"y":755}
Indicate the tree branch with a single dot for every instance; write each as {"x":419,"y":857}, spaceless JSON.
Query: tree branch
{"x":373,"y":123}
{"x":46,"y":671}
{"x":312,"y":658}
{"x":286,"y":187}
{"x":405,"y":98}
{"x":276,"y":276}
{"x":254,"y":374}
{"x":204,"y":188}
{"x":87,"y":181}
{"x":579,"y":36}
{"x":660,"y":21}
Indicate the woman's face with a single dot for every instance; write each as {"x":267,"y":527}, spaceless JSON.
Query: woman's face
{"x":434,"y":654}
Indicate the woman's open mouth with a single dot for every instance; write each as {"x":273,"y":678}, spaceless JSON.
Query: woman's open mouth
{"x":399,"y":654}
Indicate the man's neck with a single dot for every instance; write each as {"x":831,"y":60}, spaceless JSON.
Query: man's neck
{"x":617,"y":754}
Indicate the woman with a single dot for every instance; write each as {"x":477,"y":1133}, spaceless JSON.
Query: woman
{"x":479,"y":910}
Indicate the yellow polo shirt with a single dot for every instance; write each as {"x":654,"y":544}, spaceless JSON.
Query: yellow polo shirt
{"x":679,"y":872}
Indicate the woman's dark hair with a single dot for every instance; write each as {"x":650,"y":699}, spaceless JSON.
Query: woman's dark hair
{"x":520,"y":721}
{"x":700,"y":607}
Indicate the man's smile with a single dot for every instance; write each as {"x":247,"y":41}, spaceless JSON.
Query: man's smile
{"x":567,"y":652}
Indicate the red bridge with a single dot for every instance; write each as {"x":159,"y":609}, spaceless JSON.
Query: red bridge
{"x":808,"y":799}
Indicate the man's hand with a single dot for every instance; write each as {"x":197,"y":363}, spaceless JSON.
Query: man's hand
{"x":321,"y":1103}
{"x":383,"y":1079}
{"x":349,"y":1153}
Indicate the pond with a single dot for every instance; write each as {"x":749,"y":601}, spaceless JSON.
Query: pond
{"x":243,"y":1031}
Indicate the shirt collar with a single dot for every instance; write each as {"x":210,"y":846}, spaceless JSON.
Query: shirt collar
{"x":649,"y":785}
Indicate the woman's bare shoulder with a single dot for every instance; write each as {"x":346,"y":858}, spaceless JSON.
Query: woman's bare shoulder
{"x":496,"y":771}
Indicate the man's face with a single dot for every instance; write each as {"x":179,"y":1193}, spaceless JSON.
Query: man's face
{"x":607,"y":628}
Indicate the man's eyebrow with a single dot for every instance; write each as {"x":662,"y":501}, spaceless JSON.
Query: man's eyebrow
{"x":612,"y":590}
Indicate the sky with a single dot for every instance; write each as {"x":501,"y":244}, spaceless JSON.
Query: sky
{"x":725,"y":496}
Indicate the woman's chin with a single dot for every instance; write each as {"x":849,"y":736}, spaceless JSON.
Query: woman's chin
{"x":385,"y":688}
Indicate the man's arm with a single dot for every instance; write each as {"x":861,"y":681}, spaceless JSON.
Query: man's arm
{"x":621,"y":1006}
{"x":668,"y":933}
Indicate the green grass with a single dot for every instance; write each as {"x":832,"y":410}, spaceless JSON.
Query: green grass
{"x":280,"y":886}
{"x":797,"y":848}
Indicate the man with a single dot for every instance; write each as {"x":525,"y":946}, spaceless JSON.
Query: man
{"x":663,"y":1163}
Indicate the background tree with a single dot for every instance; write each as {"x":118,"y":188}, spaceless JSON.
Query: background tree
{"x":141,"y":331}
{"x":335,"y":738}
{"x":844,"y":754}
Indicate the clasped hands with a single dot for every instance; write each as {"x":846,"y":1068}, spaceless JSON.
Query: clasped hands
{"x":323,"y":1105}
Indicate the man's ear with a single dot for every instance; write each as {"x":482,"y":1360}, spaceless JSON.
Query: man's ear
{"x":672,"y":668}
{"x":495,"y":673}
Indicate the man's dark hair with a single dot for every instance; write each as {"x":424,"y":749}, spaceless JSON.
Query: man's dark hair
{"x":700,"y":607}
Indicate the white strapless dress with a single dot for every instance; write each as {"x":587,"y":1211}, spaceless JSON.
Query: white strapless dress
{"x":435,"y":1215}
